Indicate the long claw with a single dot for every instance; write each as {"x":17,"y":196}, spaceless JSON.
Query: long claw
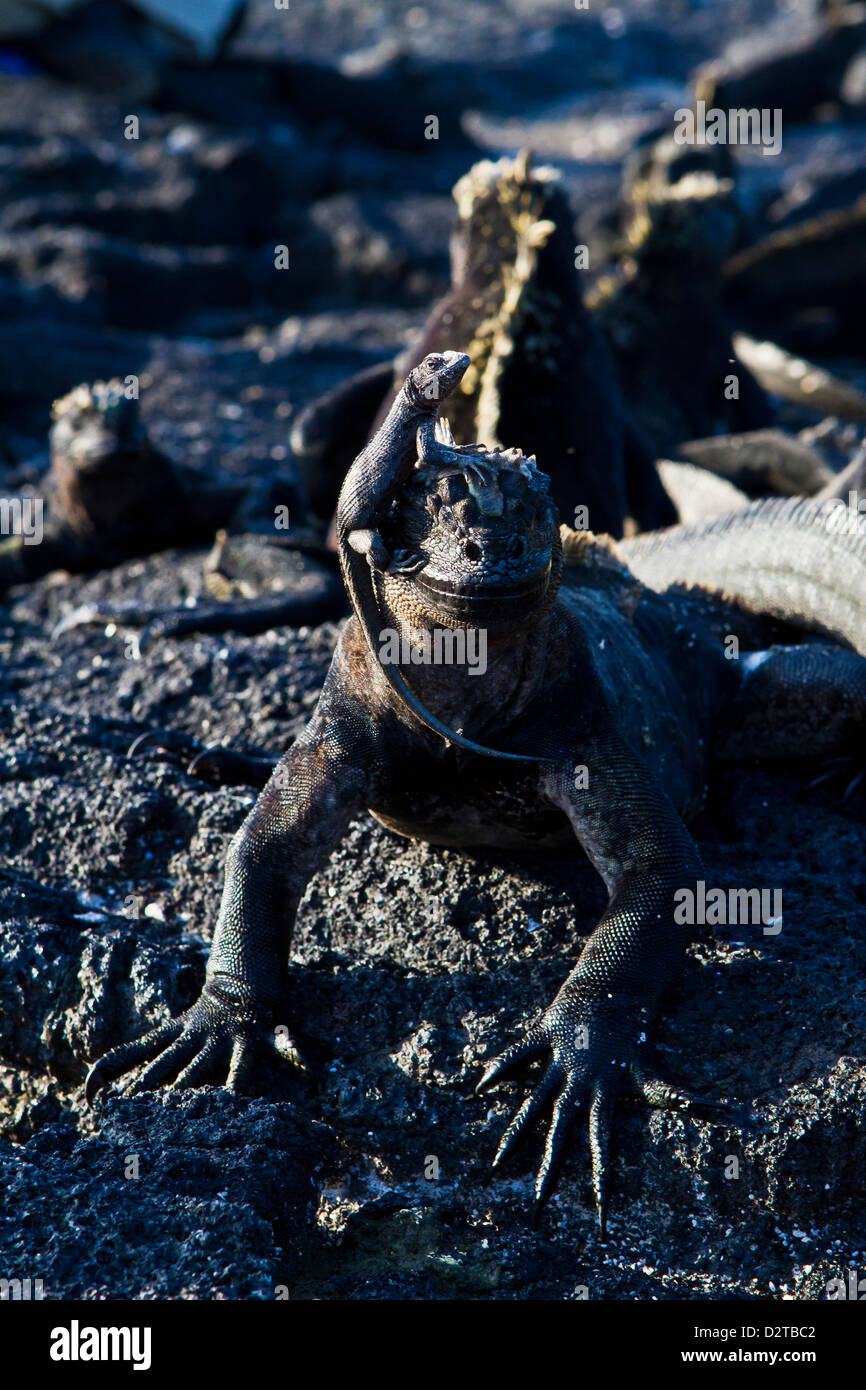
{"x":197,"y":1068}
{"x":288,"y":1051}
{"x":204,"y":764}
{"x":167,"y":740}
{"x":227,"y":768}
{"x":243,"y":1060}
{"x":557,"y":1136}
{"x":148,"y":637}
{"x":661,"y":1095}
{"x":527,"y":1050}
{"x":127,"y":1055}
{"x":528,"y":1113}
{"x":819,"y":781}
{"x":174,"y":1058}
{"x":144,"y":741}
{"x":600,"y":1114}
{"x":82,"y":616}
{"x":839,"y":767}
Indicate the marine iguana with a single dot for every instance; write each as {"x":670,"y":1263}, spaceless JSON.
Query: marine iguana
{"x":540,"y":367}
{"x":112,"y":495}
{"x":655,"y":162}
{"x":664,"y":317}
{"x":594,"y":724}
{"x":805,"y":285}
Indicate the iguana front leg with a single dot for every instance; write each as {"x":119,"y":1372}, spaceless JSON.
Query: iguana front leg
{"x":597,"y":1032}
{"x":319,"y":783}
{"x":805,"y":701}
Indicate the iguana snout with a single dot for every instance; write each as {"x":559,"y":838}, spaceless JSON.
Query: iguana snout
{"x":435,"y":378}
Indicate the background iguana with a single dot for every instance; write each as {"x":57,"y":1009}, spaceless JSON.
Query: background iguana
{"x":541,"y":370}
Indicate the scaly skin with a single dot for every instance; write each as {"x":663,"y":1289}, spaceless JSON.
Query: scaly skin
{"x":598,"y":673}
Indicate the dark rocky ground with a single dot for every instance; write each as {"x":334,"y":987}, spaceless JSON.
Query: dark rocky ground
{"x":410,"y":963}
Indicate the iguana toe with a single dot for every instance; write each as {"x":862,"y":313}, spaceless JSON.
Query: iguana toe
{"x":841,"y":770}
{"x":126,"y":1056}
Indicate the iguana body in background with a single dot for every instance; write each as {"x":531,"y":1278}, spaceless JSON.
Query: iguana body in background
{"x":541,"y":371}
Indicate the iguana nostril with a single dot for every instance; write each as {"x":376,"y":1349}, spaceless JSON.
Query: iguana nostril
{"x":472,"y":551}
{"x":517,"y":547}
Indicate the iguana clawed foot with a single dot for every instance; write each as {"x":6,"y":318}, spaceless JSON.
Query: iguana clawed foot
{"x":315,"y":599}
{"x":848,"y":772}
{"x":213,"y":763}
{"x":600,"y":1052}
{"x":225,"y":1030}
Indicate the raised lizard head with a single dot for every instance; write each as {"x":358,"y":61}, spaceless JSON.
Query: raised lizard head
{"x":409,"y":550}
{"x":694,"y":222}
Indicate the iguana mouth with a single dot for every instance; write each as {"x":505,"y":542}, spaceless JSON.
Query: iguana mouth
{"x":476,"y":598}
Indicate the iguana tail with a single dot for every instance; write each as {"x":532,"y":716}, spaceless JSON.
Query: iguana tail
{"x":803,"y":562}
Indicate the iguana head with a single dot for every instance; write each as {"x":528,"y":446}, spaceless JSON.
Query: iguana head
{"x":92,"y":422}
{"x":474,"y":537}
{"x":694,"y":222}
{"x":499,"y":204}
